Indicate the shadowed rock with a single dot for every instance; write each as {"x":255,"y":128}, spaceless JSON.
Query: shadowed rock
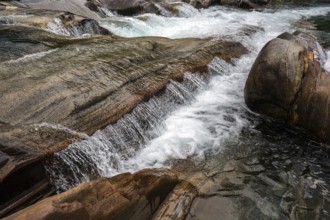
{"x":287,"y":82}
{"x":125,"y":196}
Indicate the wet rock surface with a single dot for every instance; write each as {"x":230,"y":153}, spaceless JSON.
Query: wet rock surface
{"x":258,"y":179}
{"x":271,"y":172}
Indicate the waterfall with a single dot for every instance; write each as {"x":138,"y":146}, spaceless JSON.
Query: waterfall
{"x":107,"y":151}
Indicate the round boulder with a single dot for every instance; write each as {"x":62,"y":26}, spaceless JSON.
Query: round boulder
{"x":288,"y":82}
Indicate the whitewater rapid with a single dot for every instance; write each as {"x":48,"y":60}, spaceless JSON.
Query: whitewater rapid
{"x":327,"y":62}
{"x":193,"y":119}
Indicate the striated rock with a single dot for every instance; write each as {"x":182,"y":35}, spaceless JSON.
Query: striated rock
{"x":126,"y":196}
{"x":89,"y":85}
{"x":287,"y":82}
{"x":83,"y":85}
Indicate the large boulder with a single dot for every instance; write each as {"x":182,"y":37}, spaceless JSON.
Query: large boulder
{"x":287,"y":82}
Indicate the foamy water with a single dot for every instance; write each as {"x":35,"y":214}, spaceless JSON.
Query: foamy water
{"x":200,"y":124}
{"x":327,"y":62}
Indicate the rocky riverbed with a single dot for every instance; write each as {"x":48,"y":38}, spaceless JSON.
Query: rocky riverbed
{"x":92,"y":90}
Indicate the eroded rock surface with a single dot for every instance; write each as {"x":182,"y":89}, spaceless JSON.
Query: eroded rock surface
{"x":287,"y":82}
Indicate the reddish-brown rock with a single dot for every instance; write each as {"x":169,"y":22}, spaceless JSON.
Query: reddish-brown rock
{"x":125,"y":196}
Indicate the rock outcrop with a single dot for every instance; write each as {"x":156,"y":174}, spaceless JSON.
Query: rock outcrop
{"x":84,"y":85}
{"x":287,"y":82}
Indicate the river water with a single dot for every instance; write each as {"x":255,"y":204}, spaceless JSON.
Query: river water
{"x":202,"y":117}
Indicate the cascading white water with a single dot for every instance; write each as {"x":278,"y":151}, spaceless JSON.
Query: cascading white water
{"x":327,"y":62}
{"x":105,"y":153}
{"x":160,"y":131}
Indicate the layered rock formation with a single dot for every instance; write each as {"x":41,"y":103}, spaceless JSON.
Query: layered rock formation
{"x":287,"y":82}
{"x":84,"y":85}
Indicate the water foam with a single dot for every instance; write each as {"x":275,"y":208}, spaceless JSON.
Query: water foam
{"x":327,"y":62}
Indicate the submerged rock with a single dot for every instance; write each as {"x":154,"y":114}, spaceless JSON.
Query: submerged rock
{"x":287,"y":82}
{"x":84,"y":85}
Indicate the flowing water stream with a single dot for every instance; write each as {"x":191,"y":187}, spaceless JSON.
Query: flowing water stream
{"x":202,"y":116}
